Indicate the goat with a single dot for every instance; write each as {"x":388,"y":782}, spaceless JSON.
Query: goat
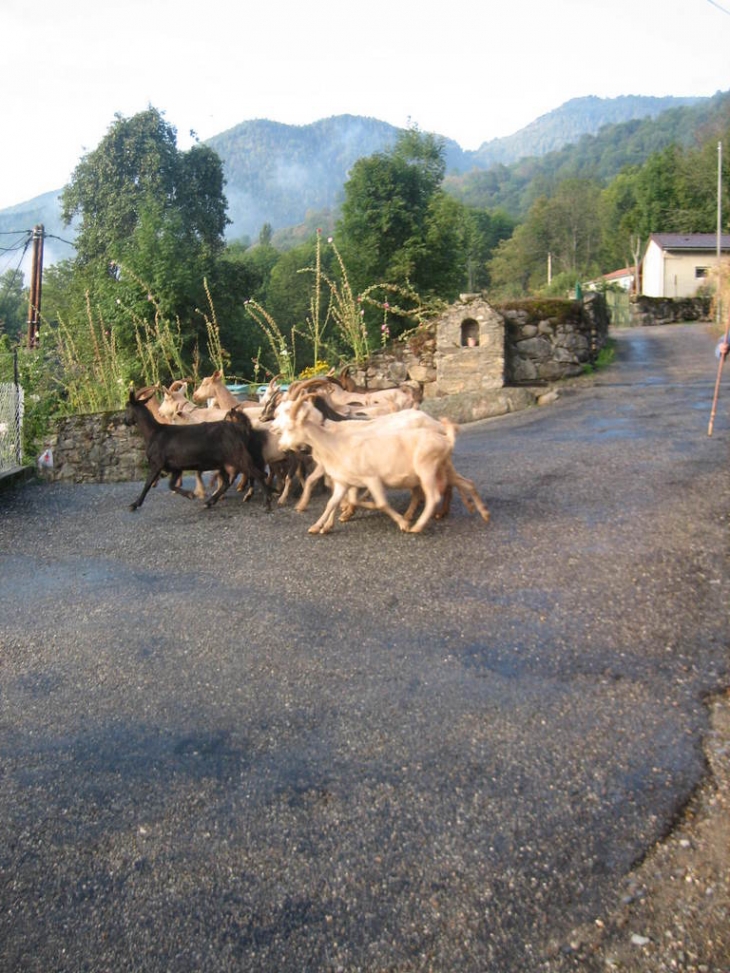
{"x":372,"y":455}
{"x":223,"y":446}
{"x":282,"y":466}
{"x":150,"y":400}
{"x":372,"y":403}
{"x":407,"y":418}
{"x":213,"y":389}
{"x":179,"y":409}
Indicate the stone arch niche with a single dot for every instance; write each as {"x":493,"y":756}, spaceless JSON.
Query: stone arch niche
{"x":461,"y":366}
{"x":469,"y":333}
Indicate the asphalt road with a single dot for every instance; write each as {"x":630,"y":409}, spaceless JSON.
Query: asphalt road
{"x":226,"y":744}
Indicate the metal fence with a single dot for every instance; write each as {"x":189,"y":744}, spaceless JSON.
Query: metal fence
{"x":619,"y":306}
{"x":11,"y":415}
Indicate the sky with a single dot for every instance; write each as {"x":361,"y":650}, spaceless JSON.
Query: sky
{"x":470,"y":70}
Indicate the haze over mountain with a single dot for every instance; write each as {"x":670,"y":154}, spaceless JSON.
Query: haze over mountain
{"x":278,"y":174}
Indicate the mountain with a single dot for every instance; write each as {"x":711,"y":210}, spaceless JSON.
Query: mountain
{"x":278,"y":173}
{"x":16,"y":225}
{"x":286,"y":174}
{"x":566,"y":124}
{"x":614,"y":147}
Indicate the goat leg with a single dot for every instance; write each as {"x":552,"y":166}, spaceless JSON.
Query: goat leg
{"x":223,"y":483}
{"x":177,"y":487}
{"x":326,"y":521}
{"x":314,"y":477}
{"x":152,"y":478}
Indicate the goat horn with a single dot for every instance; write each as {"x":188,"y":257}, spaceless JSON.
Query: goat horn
{"x":298,"y":403}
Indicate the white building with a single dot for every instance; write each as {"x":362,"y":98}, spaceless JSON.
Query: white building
{"x":623,"y":278}
{"x":678,"y":264}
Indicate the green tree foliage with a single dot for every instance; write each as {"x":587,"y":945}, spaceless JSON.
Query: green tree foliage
{"x":151,"y":224}
{"x":13,"y":306}
{"x":562,"y":231}
{"x":484,"y":232}
{"x":398,"y":225}
{"x":135,"y":165}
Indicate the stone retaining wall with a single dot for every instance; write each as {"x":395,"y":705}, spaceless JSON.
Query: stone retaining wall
{"x":546,"y":341}
{"x":97,"y":448}
{"x":466,"y":365}
{"x":647,"y":311}
{"x":518,"y":343}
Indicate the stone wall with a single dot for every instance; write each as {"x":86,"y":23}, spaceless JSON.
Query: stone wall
{"x":96,"y":448}
{"x":518,"y":343}
{"x":546,"y":341}
{"x":647,"y":311}
{"x":473,"y":362}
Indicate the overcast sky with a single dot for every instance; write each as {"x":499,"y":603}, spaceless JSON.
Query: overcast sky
{"x":470,"y":70}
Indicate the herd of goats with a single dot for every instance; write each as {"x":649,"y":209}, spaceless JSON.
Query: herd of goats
{"x":359,"y":442}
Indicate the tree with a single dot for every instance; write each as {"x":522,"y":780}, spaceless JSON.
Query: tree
{"x":572,"y":226}
{"x":13,"y":305}
{"x":485,"y":231}
{"x":397,"y":224}
{"x":137,"y":164}
{"x":152,"y":220}
{"x":564,"y":229}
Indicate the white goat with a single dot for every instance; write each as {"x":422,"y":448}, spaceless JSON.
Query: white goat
{"x":372,"y":455}
{"x":373,"y":403}
{"x":177,"y":407}
{"x":213,"y":389}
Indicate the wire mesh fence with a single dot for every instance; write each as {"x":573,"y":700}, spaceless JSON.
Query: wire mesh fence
{"x":11,"y":414}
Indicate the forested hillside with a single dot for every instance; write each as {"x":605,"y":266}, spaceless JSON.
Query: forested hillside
{"x":282,"y":175}
{"x":601,"y":157}
{"x":566,"y":125}
{"x":277,"y":173}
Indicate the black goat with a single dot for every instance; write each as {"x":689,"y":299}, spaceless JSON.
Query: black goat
{"x":227,"y":447}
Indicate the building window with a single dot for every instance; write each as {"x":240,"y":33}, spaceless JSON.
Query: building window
{"x":701,"y":271}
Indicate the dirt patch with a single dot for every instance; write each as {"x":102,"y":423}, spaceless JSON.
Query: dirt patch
{"x":673,"y":912}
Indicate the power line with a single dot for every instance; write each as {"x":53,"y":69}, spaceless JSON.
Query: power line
{"x":20,"y":243}
{"x":715,"y":4}
{"x":12,"y":279}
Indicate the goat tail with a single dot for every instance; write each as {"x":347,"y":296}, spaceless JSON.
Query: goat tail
{"x":451,"y":429}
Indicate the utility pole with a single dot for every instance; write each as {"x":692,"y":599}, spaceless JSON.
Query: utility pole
{"x":36,"y":279}
{"x":636,"y":253}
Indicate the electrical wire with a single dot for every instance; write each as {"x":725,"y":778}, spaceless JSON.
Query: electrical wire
{"x":719,"y":7}
{"x":9,"y":283}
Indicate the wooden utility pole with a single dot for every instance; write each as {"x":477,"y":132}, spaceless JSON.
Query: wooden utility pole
{"x":636,"y":253}
{"x":36,"y":279}
{"x":713,"y":410}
